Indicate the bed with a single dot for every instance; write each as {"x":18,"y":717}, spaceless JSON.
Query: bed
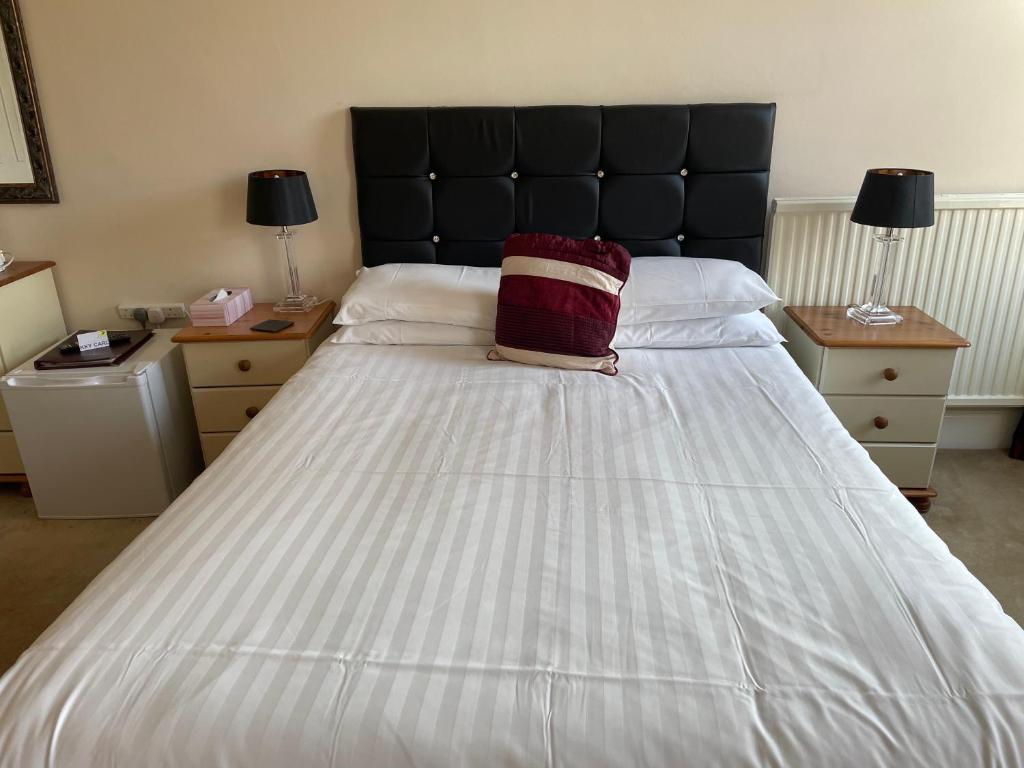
{"x":414,"y":556}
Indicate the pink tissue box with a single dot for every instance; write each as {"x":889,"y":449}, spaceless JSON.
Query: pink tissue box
{"x":205,"y":311}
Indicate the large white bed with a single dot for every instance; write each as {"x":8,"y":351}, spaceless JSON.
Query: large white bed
{"x":417,"y":557}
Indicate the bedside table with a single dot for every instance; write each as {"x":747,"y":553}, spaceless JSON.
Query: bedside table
{"x":234,"y":371}
{"x":30,"y":321}
{"x":886,"y":383}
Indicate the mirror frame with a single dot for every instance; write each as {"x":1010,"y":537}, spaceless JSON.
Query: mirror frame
{"x":43,"y":188}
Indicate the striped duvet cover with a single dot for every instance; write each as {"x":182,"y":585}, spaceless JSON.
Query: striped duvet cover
{"x":415,"y":557}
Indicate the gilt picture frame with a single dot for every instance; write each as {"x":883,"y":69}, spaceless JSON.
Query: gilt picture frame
{"x":26,"y":171}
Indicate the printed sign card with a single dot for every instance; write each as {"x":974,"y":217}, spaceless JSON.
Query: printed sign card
{"x":93,"y":340}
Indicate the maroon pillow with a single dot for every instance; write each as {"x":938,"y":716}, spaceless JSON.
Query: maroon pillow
{"x":558,"y":302}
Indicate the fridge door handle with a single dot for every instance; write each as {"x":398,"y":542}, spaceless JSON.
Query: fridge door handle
{"x":70,"y":382}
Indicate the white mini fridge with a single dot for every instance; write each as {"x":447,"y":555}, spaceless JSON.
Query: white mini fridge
{"x":117,"y":441}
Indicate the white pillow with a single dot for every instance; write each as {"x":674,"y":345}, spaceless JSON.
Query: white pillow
{"x":751,"y":330}
{"x":423,"y":293}
{"x":664,"y":288}
{"x":659,"y":288}
{"x":402,"y":332}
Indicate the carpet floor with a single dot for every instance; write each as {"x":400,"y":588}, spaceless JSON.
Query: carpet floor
{"x":45,"y":564}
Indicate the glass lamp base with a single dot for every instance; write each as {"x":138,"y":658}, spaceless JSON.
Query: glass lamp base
{"x":296,"y":303}
{"x":873,"y":314}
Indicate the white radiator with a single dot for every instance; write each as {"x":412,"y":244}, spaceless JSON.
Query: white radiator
{"x":967,"y":272}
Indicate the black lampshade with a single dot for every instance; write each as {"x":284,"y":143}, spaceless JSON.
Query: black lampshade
{"x":901,"y":198}
{"x":279,"y":199}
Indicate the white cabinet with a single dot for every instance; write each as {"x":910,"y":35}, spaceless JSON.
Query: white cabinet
{"x":30,"y":321}
{"x":887,"y":385}
{"x":234,"y":371}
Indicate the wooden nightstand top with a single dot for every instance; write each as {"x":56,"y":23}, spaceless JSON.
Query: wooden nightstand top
{"x":830,"y":327}
{"x":20,"y":269}
{"x":306,"y":325}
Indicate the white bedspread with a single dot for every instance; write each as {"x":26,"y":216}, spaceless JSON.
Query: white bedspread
{"x":417,"y":557}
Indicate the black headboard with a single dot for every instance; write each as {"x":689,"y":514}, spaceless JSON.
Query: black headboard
{"x":449,"y":184}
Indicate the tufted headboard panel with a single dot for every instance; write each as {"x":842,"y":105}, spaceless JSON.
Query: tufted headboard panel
{"x":449,"y":184}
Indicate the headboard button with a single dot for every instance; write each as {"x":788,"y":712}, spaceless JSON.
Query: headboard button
{"x":683,"y":172}
{"x":436,"y":239}
{"x":680,"y":238}
{"x":515,"y":174}
{"x":432,"y":176}
{"x":600,"y":174}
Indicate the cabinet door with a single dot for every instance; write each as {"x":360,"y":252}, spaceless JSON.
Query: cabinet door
{"x":889,"y":419}
{"x":10,"y":459}
{"x":884,"y":371}
{"x":243,"y":363}
{"x":229,"y":409}
{"x":30,"y":318}
{"x":906,"y":465}
{"x":214,"y":444}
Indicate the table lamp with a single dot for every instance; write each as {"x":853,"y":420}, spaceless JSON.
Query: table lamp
{"x":283,"y":199}
{"x":892,"y":198}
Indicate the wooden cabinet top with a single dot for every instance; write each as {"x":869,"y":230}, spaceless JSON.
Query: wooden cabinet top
{"x":830,"y":327}
{"x":20,"y":269}
{"x":306,"y":324}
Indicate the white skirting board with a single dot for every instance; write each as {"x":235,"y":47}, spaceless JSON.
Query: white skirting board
{"x":978,"y":428}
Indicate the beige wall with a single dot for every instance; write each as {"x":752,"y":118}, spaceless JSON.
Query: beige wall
{"x":155,"y":110}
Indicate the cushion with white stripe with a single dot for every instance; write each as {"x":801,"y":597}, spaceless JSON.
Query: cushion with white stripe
{"x":558,"y":302}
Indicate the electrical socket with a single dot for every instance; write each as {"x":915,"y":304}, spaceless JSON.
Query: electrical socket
{"x":171,"y":311}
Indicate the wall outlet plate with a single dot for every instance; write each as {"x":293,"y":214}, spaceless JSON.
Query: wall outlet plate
{"x":172,"y":311}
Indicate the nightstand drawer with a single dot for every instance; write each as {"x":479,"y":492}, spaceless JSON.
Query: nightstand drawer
{"x":214,"y":445}
{"x":887,"y":371}
{"x":907,"y":466}
{"x":5,"y":420}
{"x":229,"y":409}
{"x":240,"y":363}
{"x":889,"y":419}
{"x":10,"y":459}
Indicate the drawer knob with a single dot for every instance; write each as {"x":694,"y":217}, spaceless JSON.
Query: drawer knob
{"x":252,"y":410}
{"x":245,"y":365}
{"x":890,"y":374}
{"x":880,"y":422}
